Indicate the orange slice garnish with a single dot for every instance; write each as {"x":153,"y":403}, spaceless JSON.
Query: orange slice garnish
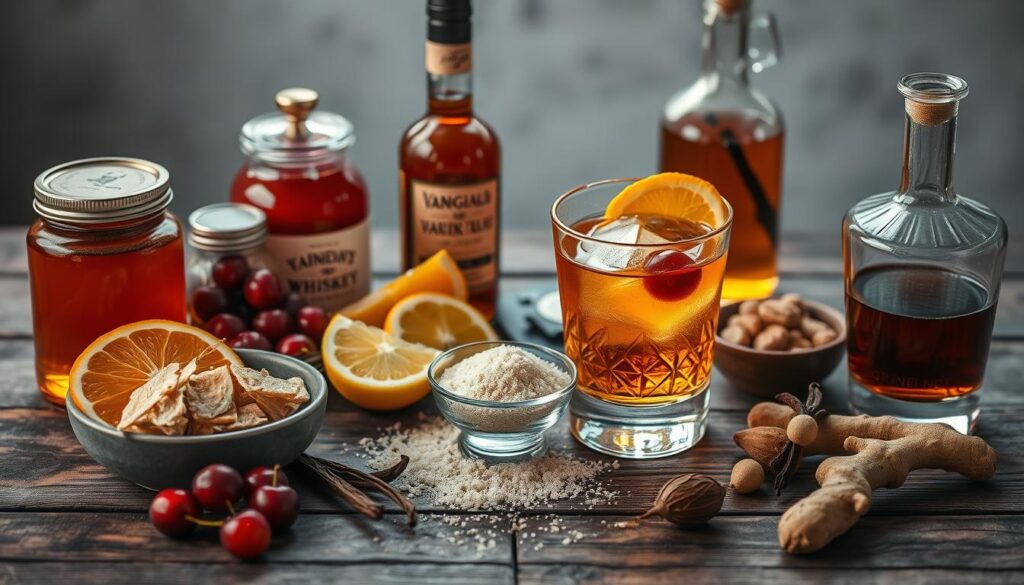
{"x":674,"y":195}
{"x":112,"y":367}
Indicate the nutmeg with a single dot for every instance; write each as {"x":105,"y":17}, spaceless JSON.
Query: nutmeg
{"x":688,"y":500}
{"x":824,"y":337}
{"x":751,"y":323}
{"x":775,"y":311}
{"x":749,"y":307}
{"x":735,"y":334}
{"x":802,"y":429}
{"x":773,"y":338}
{"x":747,"y":476}
{"x":793,"y":299}
{"x":809,"y":326}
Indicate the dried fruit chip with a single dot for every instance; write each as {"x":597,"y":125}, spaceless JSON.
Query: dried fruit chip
{"x":249,"y":416}
{"x":276,"y":397}
{"x":158,"y":406}
{"x":210,"y":397}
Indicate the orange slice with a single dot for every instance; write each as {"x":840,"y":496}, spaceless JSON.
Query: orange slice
{"x":112,"y":367}
{"x":373,"y":368}
{"x":671,"y":195}
{"x":438,"y":321}
{"x":439,"y":274}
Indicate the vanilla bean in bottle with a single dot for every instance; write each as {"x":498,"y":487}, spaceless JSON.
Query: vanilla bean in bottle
{"x":724,"y":131}
{"x":922,"y":267}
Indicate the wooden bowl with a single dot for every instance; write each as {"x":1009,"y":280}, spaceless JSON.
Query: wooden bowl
{"x":766,"y":373}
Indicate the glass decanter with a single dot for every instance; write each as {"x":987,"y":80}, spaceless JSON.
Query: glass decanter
{"x":726,"y":132}
{"x":922,"y":267}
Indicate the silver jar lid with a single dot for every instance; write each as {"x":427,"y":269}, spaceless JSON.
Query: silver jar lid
{"x":102,"y":190}
{"x":227,"y":227}
{"x":296,"y":133}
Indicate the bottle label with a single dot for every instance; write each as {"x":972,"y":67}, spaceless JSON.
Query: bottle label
{"x":443,"y":59}
{"x":462,"y":219}
{"x":330,"y":270}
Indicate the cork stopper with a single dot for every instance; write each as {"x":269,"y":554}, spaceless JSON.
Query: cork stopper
{"x":932,"y":98}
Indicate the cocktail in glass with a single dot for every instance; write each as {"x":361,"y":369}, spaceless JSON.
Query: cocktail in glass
{"x":640,"y":297}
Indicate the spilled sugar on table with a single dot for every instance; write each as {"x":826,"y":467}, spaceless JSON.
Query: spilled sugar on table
{"x":63,"y":518}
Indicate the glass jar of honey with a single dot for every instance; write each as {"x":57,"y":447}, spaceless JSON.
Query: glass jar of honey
{"x":225,"y":243}
{"x":315,"y":199}
{"x":104,"y":252}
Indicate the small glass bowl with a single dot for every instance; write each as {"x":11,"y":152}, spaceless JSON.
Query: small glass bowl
{"x":501,"y":431}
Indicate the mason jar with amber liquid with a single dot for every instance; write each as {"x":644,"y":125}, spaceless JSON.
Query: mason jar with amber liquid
{"x":104,"y":252}
{"x":726,"y":132}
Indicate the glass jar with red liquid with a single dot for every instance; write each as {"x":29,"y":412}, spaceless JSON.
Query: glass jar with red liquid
{"x":315,"y":199}
{"x":104,"y":252}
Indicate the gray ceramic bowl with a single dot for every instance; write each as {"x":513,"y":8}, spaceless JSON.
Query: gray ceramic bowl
{"x":157,"y":462}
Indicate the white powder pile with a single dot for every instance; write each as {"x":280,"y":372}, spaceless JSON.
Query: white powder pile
{"x":439,"y":470}
{"x":504,"y":374}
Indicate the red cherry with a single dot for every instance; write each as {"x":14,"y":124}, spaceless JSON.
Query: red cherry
{"x":295,"y":344}
{"x":250,"y":340}
{"x":278,"y":503}
{"x":246,"y":535}
{"x":230,"y":271}
{"x":263,"y":290}
{"x":217,"y":487}
{"x":672,"y":275}
{"x":207,"y":301}
{"x":225,"y":325}
{"x":312,"y":321}
{"x":258,"y":477}
{"x":170,"y":511}
{"x":292,"y":303}
{"x":273,"y":324}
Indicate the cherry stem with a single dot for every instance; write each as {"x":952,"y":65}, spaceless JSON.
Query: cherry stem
{"x":207,"y":523}
{"x":231,"y":508}
{"x":273,"y":478}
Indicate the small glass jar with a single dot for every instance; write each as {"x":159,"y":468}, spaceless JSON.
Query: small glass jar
{"x":104,"y":252}
{"x":225,"y":244}
{"x":315,"y":199}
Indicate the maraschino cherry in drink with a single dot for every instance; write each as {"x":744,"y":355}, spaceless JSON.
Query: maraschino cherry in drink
{"x":315,"y":199}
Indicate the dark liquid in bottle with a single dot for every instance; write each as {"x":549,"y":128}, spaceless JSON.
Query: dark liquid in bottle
{"x":918,"y":332}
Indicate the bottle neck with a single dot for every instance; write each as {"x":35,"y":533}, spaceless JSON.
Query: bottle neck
{"x":927,"y":174}
{"x":450,"y":95}
{"x":724,"y":46}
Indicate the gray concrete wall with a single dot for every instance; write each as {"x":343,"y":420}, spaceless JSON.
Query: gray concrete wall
{"x":573,"y":87}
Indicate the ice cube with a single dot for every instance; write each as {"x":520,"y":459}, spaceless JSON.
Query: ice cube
{"x":624,"y":230}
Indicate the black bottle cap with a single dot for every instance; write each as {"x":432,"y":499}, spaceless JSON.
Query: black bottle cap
{"x":448,"y":21}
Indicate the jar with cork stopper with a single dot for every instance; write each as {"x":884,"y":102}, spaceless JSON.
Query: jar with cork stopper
{"x":315,"y":199}
{"x":922,"y":267}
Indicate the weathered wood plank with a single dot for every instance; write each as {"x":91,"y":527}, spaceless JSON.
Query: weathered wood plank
{"x":45,"y":469}
{"x":439,"y":573}
{"x":78,"y":537}
{"x":955,"y":542}
{"x":571,"y":574}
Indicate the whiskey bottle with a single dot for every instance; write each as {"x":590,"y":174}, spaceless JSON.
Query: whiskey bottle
{"x":450,"y":163}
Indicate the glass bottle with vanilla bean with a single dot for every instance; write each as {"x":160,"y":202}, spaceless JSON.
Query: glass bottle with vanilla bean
{"x":922,"y":268}
{"x":726,"y":132}
{"x":450,"y":163}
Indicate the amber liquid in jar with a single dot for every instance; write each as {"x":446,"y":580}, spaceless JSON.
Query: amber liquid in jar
{"x":726,"y":151}
{"x":85,"y":284}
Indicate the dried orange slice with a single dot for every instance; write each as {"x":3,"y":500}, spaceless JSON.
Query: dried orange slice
{"x":671,"y":195}
{"x":438,"y":321}
{"x":112,"y":367}
{"x":439,"y":274}
{"x":373,"y":368}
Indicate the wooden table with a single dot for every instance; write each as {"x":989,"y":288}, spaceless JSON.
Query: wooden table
{"x":63,"y":518}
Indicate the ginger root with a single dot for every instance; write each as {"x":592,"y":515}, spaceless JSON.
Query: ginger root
{"x":882,"y":452}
